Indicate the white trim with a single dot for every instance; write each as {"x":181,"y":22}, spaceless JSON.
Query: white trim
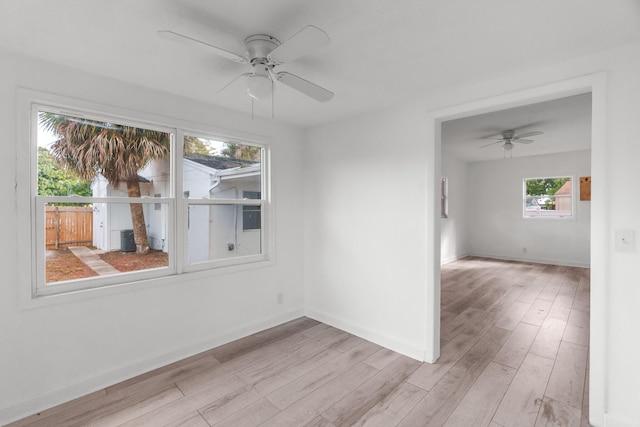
{"x":547,"y":261}
{"x":596,"y":84}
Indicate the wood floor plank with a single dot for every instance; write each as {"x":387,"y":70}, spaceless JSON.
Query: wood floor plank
{"x":381,"y":358}
{"x":134,"y":411}
{"x":566,"y":294}
{"x":285,"y":373}
{"x":393,"y":408}
{"x":517,"y":346}
{"x":513,"y":315}
{"x":319,"y":421}
{"x":566,"y":384}
{"x":470,"y":315}
{"x":538,"y":312}
{"x":230,"y":404}
{"x":316,"y":378}
{"x":581,"y":301}
{"x":188,"y":404}
{"x":559,"y":313}
{"x":322,"y":398}
{"x":548,"y":339}
{"x":253,"y":415}
{"x":557,"y":414}
{"x":192,"y":420}
{"x":65,"y":407}
{"x":428,"y":375}
{"x":522,"y":401}
{"x":441,"y":401}
{"x":480,"y":403}
{"x":484,"y":351}
{"x":372,"y":392}
{"x":168,"y":374}
{"x":253,"y":342}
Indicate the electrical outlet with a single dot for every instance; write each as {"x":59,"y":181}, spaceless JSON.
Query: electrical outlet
{"x":280,"y":297}
{"x":524,"y":250}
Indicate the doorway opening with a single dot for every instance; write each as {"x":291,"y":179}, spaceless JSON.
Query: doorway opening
{"x":592,"y":86}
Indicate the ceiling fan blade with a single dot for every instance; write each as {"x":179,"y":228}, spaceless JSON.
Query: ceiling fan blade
{"x":491,"y":143}
{"x":524,"y":135}
{"x":233,"y":81}
{"x":181,"y":38}
{"x":523,"y":141}
{"x":304,"y":86}
{"x":493,"y":136}
{"x":305,"y":41}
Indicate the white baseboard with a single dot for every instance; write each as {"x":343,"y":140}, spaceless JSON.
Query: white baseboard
{"x":613,"y":421}
{"x":509,"y":257}
{"x":453,"y":258}
{"x":408,"y":349}
{"x":18,"y":410}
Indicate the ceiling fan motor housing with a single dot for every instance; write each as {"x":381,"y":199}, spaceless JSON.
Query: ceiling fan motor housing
{"x":259,"y":46}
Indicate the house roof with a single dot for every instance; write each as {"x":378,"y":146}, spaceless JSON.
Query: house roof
{"x":218,"y":162}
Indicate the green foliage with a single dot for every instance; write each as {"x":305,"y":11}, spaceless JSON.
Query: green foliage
{"x":544,"y":186}
{"x":193,"y":145}
{"x":90,"y":147}
{"x":55,"y":181}
{"x":242,"y":152}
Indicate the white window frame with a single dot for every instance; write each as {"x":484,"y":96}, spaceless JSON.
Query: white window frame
{"x":263,"y":202}
{"x":176,"y":206}
{"x":549,"y":217}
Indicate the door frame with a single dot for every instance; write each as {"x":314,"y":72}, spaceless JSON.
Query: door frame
{"x":596,"y":85}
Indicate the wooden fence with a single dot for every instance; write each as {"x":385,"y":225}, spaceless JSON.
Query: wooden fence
{"x":68,"y":226}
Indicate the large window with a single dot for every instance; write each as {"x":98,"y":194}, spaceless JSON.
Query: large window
{"x":548,"y":197}
{"x":105,"y":209}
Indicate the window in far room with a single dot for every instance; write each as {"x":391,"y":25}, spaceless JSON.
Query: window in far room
{"x":548,"y":197}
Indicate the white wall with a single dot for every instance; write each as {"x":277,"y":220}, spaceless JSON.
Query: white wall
{"x":56,"y":352}
{"x":365,"y":227}
{"x":366,"y":267}
{"x":496,"y":226}
{"x":454,"y":229}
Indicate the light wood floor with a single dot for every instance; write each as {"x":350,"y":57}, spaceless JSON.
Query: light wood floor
{"x":514,"y":353}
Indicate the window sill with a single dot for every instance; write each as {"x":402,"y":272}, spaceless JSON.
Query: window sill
{"x":29,"y":301}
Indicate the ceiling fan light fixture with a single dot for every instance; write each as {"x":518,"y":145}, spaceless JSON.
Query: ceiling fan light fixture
{"x":508,"y":146}
{"x":258,"y":86}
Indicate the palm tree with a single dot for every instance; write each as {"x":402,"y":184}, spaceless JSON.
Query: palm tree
{"x":117,"y":152}
{"x":241,"y":151}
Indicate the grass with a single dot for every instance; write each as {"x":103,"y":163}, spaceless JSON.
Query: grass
{"x":63,"y":265}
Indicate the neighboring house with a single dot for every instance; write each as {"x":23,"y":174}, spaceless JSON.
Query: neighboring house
{"x":214,"y":232}
{"x":563,"y":204}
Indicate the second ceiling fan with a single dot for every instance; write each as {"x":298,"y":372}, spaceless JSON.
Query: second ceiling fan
{"x":508,"y":137}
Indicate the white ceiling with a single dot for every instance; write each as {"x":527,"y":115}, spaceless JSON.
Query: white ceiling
{"x":383,"y":52}
{"x":566,"y":124}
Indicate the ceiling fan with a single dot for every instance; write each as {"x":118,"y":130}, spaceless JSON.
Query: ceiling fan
{"x":508,"y":137}
{"x":264,"y":53}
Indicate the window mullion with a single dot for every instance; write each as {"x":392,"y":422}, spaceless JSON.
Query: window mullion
{"x":179,"y":226}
